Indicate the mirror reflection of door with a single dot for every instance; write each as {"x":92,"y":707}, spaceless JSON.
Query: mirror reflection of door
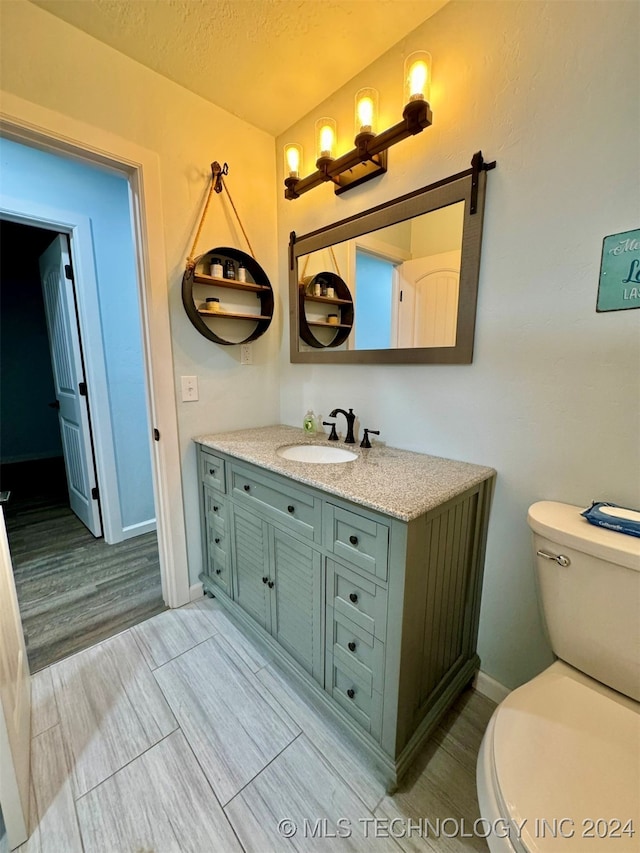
{"x":428,"y":308}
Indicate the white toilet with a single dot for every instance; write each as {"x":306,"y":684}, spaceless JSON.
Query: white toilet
{"x":559,"y":764}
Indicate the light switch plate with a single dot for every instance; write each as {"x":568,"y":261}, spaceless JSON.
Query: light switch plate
{"x":189,"y":389}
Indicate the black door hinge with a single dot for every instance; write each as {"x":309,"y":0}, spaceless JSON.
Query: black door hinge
{"x":156,"y":434}
{"x":82,"y":389}
{"x":68,"y":271}
{"x":94,"y":493}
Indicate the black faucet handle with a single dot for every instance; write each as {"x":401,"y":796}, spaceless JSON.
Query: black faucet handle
{"x":365,"y":439}
{"x":333,"y":435}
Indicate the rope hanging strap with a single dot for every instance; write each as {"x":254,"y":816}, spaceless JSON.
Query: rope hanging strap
{"x":217,"y":184}
{"x":333,"y":258}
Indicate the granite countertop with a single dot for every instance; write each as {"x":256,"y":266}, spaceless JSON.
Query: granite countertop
{"x":399,"y":483}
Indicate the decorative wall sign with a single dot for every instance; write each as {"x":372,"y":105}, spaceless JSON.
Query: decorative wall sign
{"x":619,"y":286}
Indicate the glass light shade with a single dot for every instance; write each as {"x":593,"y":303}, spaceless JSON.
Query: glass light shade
{"x":292,"y":160}
{"x":326,"y":138}
{"x":366,"y":111}
{"x":417,"y":77}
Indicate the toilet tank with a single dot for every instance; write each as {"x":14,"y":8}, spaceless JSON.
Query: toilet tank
{"x":592,"y":605}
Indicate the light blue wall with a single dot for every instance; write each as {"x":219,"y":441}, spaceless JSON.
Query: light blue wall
{"x":55,"y":181}
{"x":373,"y":320}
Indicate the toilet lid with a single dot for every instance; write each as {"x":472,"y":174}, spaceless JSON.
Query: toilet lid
{"x":566,"y":756}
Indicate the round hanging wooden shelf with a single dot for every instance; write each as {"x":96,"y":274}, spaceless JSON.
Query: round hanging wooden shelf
{"x":256,"y":285}
{"x":342,"y":301}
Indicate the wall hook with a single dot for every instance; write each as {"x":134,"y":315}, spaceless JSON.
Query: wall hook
{"x":217,"y":172}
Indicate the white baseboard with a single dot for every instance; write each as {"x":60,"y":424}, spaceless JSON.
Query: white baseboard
{"x":489,"y":687}
{"x":196,"y":591}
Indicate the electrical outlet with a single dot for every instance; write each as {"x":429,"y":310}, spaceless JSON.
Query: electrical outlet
{"x":189,"y":389}
{"x":246,"y":355}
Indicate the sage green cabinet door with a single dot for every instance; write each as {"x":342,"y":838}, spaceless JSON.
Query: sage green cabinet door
{"x":296,"y":602}
{"x":251,"y":566}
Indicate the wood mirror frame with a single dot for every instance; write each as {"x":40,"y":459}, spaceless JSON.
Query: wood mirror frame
{"x":468,"y":187}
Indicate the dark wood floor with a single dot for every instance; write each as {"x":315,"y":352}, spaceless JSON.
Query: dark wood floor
{"x":73,"y":589}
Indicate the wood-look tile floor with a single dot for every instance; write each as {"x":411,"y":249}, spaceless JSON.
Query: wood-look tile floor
{"x":75,"y":590}
{"x":181,"y":735}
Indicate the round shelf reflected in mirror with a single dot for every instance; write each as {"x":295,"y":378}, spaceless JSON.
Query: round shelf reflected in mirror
{"x":316,"y":329}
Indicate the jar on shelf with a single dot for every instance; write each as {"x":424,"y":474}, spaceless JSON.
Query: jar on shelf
{"x":242,"y":272}
{"x":212,"y":304}
{"x":229,"y":269}
{"x":332,"y":319}
{"x":216,"y":267}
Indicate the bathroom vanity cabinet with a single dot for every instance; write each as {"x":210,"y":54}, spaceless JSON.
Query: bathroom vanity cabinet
{"x":377,"y":610}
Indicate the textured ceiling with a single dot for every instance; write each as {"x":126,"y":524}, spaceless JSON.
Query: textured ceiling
{"x":267,"y":61}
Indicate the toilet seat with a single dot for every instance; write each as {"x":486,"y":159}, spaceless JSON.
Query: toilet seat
{"x":563,"y":747}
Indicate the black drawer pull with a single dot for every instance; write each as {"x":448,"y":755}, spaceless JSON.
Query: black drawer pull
{"x":217,"y":540}
{"x":290,"y":508}
{"x":218,"y":571}
{"x":246,"y":487}
{"x":352,"y":646}
{"x":353,"y":596}
{"x":215,"y":509}
{"x":351,"y":693}
{"x":264,"y":580}
{"x":212,"y":471}
{"x":353,"y":540}
{"x":270,"y":584}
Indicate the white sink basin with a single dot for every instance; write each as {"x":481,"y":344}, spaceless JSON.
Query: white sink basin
{"x":316,"y":454}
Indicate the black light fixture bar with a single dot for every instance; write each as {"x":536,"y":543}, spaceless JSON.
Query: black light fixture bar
{"x":367,"y":159}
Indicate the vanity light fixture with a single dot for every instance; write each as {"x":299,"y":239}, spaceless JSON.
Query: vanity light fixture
{"x":369,"y":155}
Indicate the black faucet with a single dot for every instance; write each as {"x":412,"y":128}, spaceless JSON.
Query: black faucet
{"x":350,"y":422}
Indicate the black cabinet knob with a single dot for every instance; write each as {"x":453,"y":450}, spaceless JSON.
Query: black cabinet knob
{"x":353,"y":596}
{"x":218,"y":571}
{"x":351,"y":646}
{"x":246,"y":487}
{"x":290,"y":508}
{"x":264,"y":580}
{"x":351,"y":693}
{"x":353,"y":540}
{"x":215,"y":509}
{"x":217,"y":540}
{"x":270,"y":584}
{"x":212,"y":471}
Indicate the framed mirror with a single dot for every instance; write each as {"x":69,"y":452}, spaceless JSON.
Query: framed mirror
{"x":411,"y":270}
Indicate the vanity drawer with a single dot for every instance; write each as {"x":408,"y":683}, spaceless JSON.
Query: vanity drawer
{"x":212,"y":471}
{"x":357,"y":649}
{"x":357,"y":539}
{"x":279,"y":501}
{"x":218,"y":566}
{"x":358,"y":599}
{"x":216,"y":512}
{"x":355,"y":694}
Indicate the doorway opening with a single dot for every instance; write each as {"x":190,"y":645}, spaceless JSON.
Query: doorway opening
{"x":74,"y":587}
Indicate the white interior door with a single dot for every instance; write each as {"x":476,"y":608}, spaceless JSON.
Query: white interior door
{"x":428,"y":314}
{"x":15,"y":705}
{"x":68,"y":375}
